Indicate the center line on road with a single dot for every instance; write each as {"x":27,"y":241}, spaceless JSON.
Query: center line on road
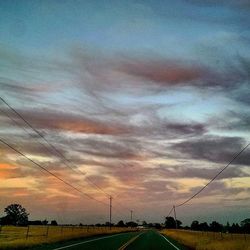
{"x":80,"y":243}
{"x":123,"y":247}
{"x":170,"y":243}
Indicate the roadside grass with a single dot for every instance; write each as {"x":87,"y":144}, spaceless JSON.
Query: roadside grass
{"x":12,"y":237}
{"x":209,"y":240}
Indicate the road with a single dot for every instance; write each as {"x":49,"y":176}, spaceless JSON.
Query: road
{"x":144,"y":240}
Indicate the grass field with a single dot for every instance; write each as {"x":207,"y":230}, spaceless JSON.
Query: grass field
{"x":23,"y":237}
{"x":209,"y":240}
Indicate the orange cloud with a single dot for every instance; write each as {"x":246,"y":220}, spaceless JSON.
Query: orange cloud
{"x":88,"y":127}
{"x":7,"y":171}
{"x":74,"y":123}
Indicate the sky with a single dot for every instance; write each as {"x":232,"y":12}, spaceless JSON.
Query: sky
{"x":146,"y":101}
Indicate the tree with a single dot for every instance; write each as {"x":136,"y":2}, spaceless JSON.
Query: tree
{"x":195,"y":225}
{"x":170,"y":222}
{"x":121,"y":224}
{"x":235,"y":228}
{"x":131,"y":224}
{"x":227,"y":228}
{"x":35,"y":222}
{"x":45,"y":222}
{"x":157,"y":225}
{"x":53,"y":223}
{"x":245,"y":224}
{"x":5,"y":221}
{"x":16,"y":215}
{"x":216,"y":227}
{"x":178,"y":222}
{"x":204,"y":226}
{"x":107,"y":224}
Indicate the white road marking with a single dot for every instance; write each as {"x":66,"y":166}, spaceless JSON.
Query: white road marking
{"x":80,"y":243}
{"x":170,"y":242}
{"x":129,"y":242}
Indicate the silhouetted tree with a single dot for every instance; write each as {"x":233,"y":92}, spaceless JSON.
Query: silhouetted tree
{"x":170,"y":222}
{"x":35,"y":222}
{"x":179,"y":223}
{"x":131,"y":224}
{"x":107,"y":224}
{"x":53,"y":223}
{"x":5,"y":221}
{"x":227,"y":227}
{"x":121,"y":224}
{"x":216,"y":227}
{"x":245,"y":224}
{"x":195,"y":225}
{"x":45,"y":222}
{"x":235,"y":228}
{"x":157,"y":225}
{"x":203,"y":226}
{"x":16,"y":215}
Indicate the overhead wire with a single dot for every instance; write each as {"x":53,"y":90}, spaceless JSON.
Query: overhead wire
{"x":49,"y":172}
{"x":170,"y":212}
{"x":222,"y":170}
{"x":16,"y":123}
{"x":74,"y":168}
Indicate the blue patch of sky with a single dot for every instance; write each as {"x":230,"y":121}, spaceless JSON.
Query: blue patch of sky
{"x":196,"y":107}
{"x":169,"y":28}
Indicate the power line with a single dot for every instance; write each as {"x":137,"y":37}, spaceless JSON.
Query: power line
{"x":65,"y":160}
{"x":223,"y":169}
{"x":54,"y":175}
{"x":75,"y":169}
{"x":50,"y":173}
{"x":170,"y":212}
{"x":24,"y":129}
{"x":18,"y":125}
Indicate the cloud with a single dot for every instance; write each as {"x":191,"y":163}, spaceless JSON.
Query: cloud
{"x":163,"y":72}
{"x":231,"y":121}
{"x":120,"y":141}
{"x":208,"y":173}
{"x":21,"y":89}
{"x":8,"y":171}
{"x":152,"y":74}
{"x":121,"y":148}
{"x":214,"y":148}
{"x":56,"y":120}
{"x":149,"y":126}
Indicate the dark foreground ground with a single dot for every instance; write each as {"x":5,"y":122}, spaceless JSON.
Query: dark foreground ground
{"x":143,"y":240}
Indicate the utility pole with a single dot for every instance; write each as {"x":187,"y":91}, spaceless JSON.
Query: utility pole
{"x":131,"y":215}
{"x":110,"y":211}
{"x":176,"y":226}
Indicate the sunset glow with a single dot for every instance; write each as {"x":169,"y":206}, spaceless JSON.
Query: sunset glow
{"x":147,"y":101}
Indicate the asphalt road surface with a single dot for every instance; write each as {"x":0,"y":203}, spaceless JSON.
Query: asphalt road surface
{"x":143,"y":240}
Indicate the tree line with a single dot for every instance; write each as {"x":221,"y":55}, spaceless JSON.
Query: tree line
{"x":18,"y":216}
{"x":214,"y":226}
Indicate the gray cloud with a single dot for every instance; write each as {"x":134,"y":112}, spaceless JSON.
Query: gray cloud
{"x":231,"y":121}
{"x":214,"y":149}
